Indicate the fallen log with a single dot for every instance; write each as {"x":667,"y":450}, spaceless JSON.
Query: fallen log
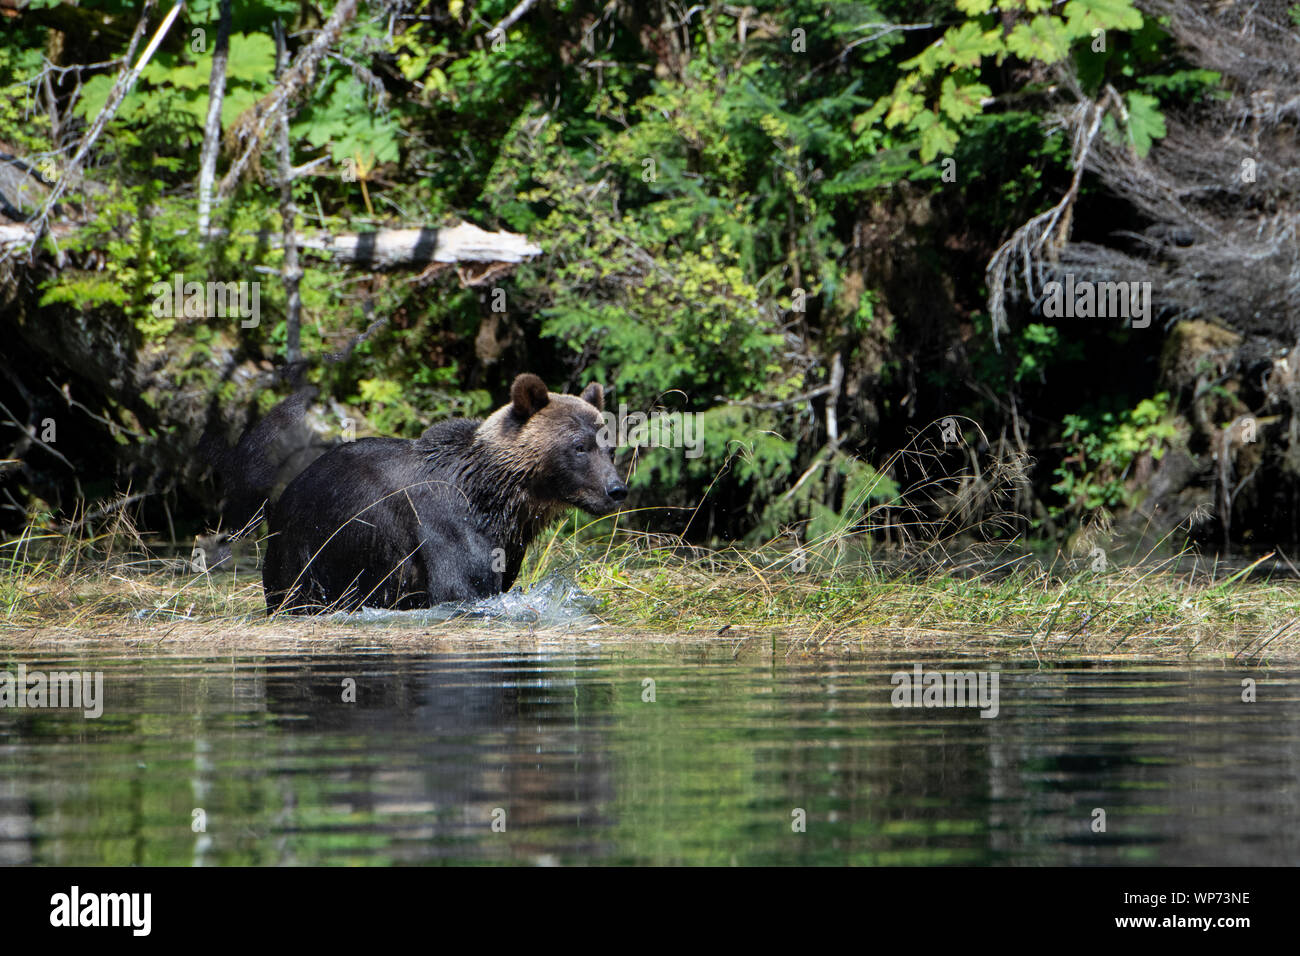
{"x":383,"y":249}
{"x":396,"y":247}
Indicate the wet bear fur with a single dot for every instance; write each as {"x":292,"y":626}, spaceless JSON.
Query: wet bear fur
{"x":395,"y":523}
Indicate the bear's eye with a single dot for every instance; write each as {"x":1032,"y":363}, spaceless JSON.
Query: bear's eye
{"x":580,"y":444}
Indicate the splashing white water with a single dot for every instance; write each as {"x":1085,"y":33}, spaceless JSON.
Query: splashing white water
{"x":555,"y":601}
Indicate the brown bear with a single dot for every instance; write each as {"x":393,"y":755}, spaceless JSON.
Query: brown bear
{"x":394,"y":523}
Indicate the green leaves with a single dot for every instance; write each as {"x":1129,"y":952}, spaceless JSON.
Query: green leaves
{"x":662,"y":296}
{"x":252,"y":57}
{"x":1044,"y":38}
{"x":937,"y":136}
{"x":170,"y":99}
{"x":94,"y":95}
{"x":1101,"y":447}
{"x":939,"y":92}
{"x":86,"y":293}
{"x":905,"y":107}
{"x":1084,"y":16}
{"x":1145,"y":121}
{"x":961,"y":103}
{"x":966,"y":46}
{"x":347,"y":122}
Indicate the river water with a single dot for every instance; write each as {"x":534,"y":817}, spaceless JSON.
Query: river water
{"x":592,"y":749}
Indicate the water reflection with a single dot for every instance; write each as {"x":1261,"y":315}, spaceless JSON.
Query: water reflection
{"x":644,"y":754}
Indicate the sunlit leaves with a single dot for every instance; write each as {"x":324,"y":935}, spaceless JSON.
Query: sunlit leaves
{"x":966,"y":46}
{"x":1101,"y":448}
{"x":960,"y":103}
{"x":939,"y":91}
{"x":1084,"y":16}
{"x":349,"y":124}
{"x":937,"y":137}
{"x":904,"y":108}
{"x":171,"y":92}
{"x":252,"y":57}
{"x":1145,"y":122}
{"x":1043,"y":38}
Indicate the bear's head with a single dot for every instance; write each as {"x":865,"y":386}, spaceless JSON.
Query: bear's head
{"x":558,"y":441}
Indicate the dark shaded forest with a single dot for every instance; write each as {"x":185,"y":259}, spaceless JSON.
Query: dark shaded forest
{"x":829,"y":231}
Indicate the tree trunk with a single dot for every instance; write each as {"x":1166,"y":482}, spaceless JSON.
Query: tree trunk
{"x":288,"y":215}
{"x":212,"y":128}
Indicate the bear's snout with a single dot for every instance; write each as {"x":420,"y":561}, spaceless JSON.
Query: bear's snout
{"x":602,"y":494}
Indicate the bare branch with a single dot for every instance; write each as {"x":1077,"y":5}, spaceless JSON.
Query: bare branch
{"x":125,"y":81}
{"x":511,"y":18}
{"x":253,"y":127}
{"x":1043,"y":236}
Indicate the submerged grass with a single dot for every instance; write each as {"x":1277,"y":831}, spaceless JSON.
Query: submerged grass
{"x":110,"y":587}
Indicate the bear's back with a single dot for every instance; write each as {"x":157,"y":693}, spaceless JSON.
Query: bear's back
{"x":382,"y":520}
{"x":446,"y":443}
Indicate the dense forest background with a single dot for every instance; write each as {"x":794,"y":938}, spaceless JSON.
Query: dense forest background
{"x":825,"y":227}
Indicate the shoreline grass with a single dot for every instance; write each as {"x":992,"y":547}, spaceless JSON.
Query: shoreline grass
{"x":57,"y":590}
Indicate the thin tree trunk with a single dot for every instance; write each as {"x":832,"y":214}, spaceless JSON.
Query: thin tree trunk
{"x":212,"y":128}
{"x":288,"y":215}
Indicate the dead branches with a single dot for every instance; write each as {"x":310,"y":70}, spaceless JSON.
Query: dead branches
{"x":125,"y":82}
{"x":1219,"y":195}
{"x":1042,"y":237}
{"x":254,"y":125}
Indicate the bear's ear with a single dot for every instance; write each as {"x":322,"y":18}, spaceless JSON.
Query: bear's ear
{"x":528,"y":396}
{"x":594,"y":394}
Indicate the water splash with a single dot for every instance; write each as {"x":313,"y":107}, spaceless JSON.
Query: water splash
{"x":555,"y":601}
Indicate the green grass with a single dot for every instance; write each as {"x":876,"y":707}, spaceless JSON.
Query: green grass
{"x":837,"y":591}
{"x":1171,"y":606}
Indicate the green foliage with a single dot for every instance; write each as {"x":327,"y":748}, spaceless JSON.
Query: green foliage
{"x":169,"y":103}
{"x":682,"y":184}
{"x":26,"y":128}
{"x":87,"y":292}
{"x":1101,"y":448}
{"x":660,"y":299}
{"x":1145,"y":123}
{"x":1036,"y":347}
{"x":941,"y":89}
{"x":1185,"y":84}
{"x":345,"y":119}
